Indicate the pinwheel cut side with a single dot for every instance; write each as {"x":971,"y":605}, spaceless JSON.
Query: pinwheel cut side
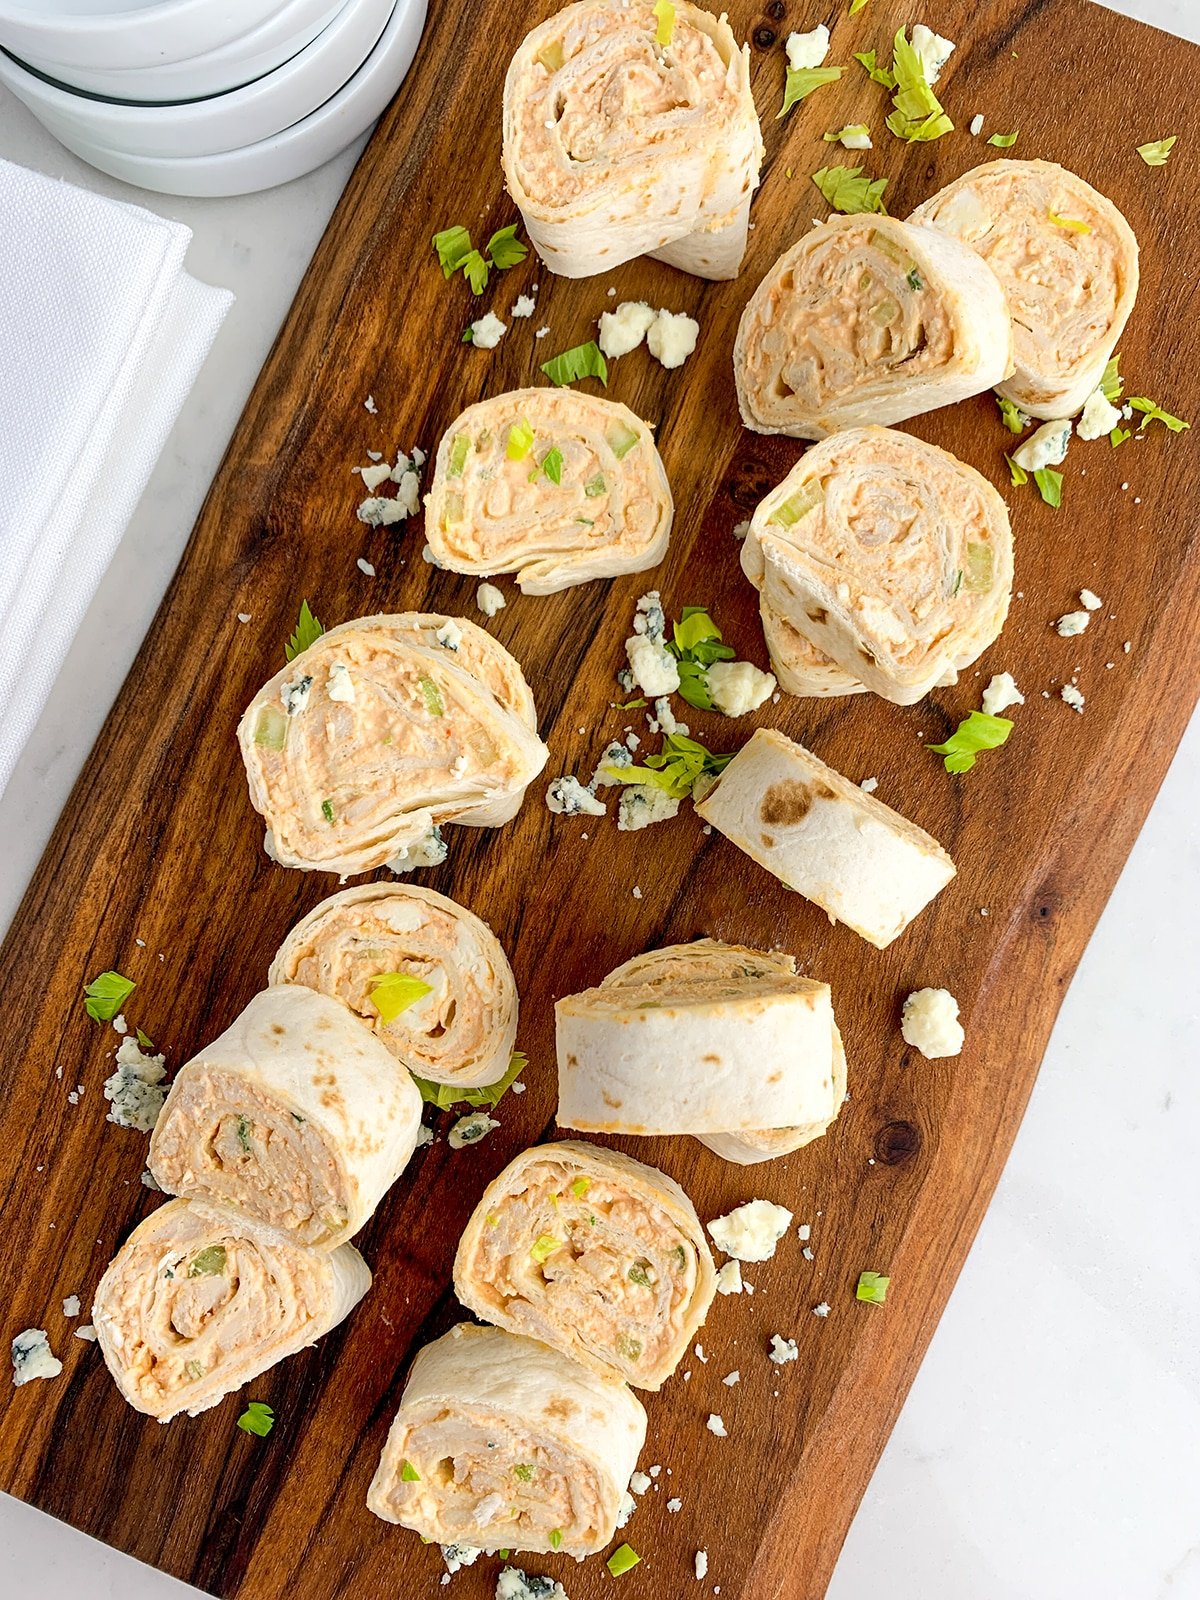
{"x":821,"y":835}
{"x":799,"y":667}
{"x":199,"y":1300}
{"x":423,"y":973}
{"x":505,"y":1444}
{"x":868,"y":320}
{"x":382,"y":730}
{"x":295,"y":1115}
{"x":892,"y":559}
{"x":1067,"y":261}
{"x":620,"y":143}
{"x":591,"y":1252}
{"x":556,"y":486}
{"x":700,"y":1038}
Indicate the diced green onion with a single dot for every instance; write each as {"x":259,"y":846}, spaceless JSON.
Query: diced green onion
{"x":409,"y":1473}
{"x":915,"y":282}
{"x":524,"y":1471}
{"x":628,"y":1349}
{"x":458,"y":456}
{"x":623,"y":1559}
{"x":520,"y":441}
{"x":639,"y":1273}
{"x":595,"y":486}
{"x":434,"y":703}
{"x":580,"y":1187}
{"x":1071,"y":223}
{"x":680,"y":1255}
{"x":552,"y":464}
{"x":327,"y":810}
{"x":210,"y":1262}
{"x":194,"y":1371}
{"x":555,"y":1538}
{"x":621,"y":439}
{"x":544,"y":1246}
{"x":798,"y":505}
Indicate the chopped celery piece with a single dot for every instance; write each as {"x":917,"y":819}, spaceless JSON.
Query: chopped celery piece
{"x":458,"y":456}
{"x":454,"y":508}
{"x":210,"y":1262}
{"x":622,"y":439}
{"x":979,"y":568}
{"x":270,"y":728}
{"x":434,"y":703}
{"x":595,"y":486}
{"x":551,"y":55}
{"x":798,"y":505}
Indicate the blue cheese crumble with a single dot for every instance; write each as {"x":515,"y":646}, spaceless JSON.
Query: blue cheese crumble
{"x":471,"y":1129}
{"x":614,"y":755}
{"x":738,"y":687}
{"x":489,"y":599}
{"x":428,"y":851}
{"x":340,"y":685}
{"x":567,"y":797}
{"x":642,"y":804}
{"x":513,"y":1584}
{"x":457,"y":1556}
{"x":295,"y":695}
{"x":750,"y":1232}
{"x":32,"y":1357}
{"x":135,"y":1088}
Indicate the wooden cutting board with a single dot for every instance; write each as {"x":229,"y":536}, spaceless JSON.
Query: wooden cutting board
{"x":156,"y":867}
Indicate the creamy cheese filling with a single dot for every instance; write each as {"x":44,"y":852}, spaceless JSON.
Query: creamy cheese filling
{"x":853,"y":310}
{"x":606,"y":1266}
{"x":484,"y":1480}
{"x":228,"y":1141}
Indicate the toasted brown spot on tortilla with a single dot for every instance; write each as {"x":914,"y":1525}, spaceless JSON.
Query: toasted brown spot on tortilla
{"x":818,"y":615}
{"x":560,"y":1408}
{"x":768,"y":840}
{"x":785,"y":804}
{"x":609,"y":1101}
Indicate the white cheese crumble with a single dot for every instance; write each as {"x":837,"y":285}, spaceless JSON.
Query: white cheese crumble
{"x":459,"y":1555}
{"x":71,"y":1306}
{"x":822,"y":1310}
{"x":430,"y":850}
{"x":135,"y":1088}
{"x":977,"y":125}
{"x":626,"y":1509}
{"x":373,"y":476}
{"x":428,"y":556}
{"x":87,"y":1333}
{"x":32,"y":1357}
{"x":674,"y":1504}
{"x":340,"y":685}
{"x":295,"y":697}
{"x":653,"y":666}
{"x":929,"y":1022}
{"x":149,"y":1180}
{"x":471,"y":1129}
{"x":716,"y":1424}
{"x":1098,"y":418}
{"x":624,"y":329}
{"x":523,"y":306}
{"x":729,"y":1278}
{"x":672,"y":338}
{"x":1073,"y":697}
{"x":449,"y":635}
{"x":751,"y":1232}
{"x":701,"y":1564}
{"x":1045,"y":448}
{"x":487,"y":331}
{"x":933,"y":50}
{"x":489,"y":599}
{"x":869,"y":785}
{"x":666,"y":719}
{"x":119,"y":1023}
{"x":1001,"y":693}
{"x":639,"y":1482}
{"x":855,"y":139}
{"x":567,"y":797}
{"x":540,"y":333}
{"x":1074,"y":623}
{"x":641,"y":805}
{"x":365,"y":567}
{"x":807,"y":49}
{"x":731,"y":1378}
{"x":1092,"y":601}
{"x":513,"y":1584}
{"x":804,"y":1232}
{"x":783,"y":1350}
{"x":369,"y":404}
{"x":738,"y":687}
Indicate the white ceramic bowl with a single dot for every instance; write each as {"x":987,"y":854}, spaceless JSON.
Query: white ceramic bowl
{"x":224,"y":122}
{"x":299,"y":149}
{"x":126,"y":33}
{"x":251,"y":55}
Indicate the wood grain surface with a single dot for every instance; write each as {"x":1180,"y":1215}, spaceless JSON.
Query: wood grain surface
{"x":159,"y":844}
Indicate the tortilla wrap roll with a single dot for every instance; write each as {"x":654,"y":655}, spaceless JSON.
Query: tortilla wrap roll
{"x":700,"y":1038}
{"x":382,"y":730}
{"x":1067,"y":261}
{"x":506,"y":1444}
{"x":821,"y":835}
{"x":892,"y":558}
{"x":617,"y":146}
{"x":867,"y":319}
{"x":799,"y":667}
{"x":295,"y":1115}
{"x":556,"y":486}
{"x":199,"y":1300}
{"x":591,"y":1252}
{"x":462,"y":1030}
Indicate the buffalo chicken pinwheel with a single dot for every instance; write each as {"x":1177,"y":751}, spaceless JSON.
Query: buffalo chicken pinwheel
{"x":380,"y":731}
{"x":704,"y":1038}
{"x":867,"y":319}
{"x":1068,"y":263}
{"x":799,"y":667}
{"x":426,"y":976}
{"x":629,"y":130}
{"x":505,"y":1444}
{"x":556,"y":486}
{"x":296,"y":1115}
{"x":821,"y":835}
{"x":594,"y":1253}
{"x":199,"y":1300}
{"x":890,"y":557}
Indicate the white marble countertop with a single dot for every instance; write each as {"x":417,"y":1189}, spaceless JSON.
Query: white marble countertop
{"x":1048,"y":1450}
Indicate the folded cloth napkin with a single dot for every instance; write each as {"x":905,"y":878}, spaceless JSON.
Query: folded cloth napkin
{"x":102,"y":334}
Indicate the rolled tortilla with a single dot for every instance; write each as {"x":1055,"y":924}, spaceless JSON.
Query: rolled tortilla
{"x":199,"y":1300}
{"x":463,"y":1030}
{"x":382,"y":730}
{"x":860,"y":861}
{"x":499,"y":503}
{"x":1070,"y":288}
{"x":295,"y":1115}
{"x":867,"y":319}
{"x":594,"y":1253}
{"x":892,"y":558}
{"x":506,"y":1444}
{"x":764,"y":1144}
{"x":616,"y":146}
{"x":799,"y":667}
{"x":702,"y":1038}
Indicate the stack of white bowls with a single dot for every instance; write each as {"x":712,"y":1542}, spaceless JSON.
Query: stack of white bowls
{"x":207,"y":97}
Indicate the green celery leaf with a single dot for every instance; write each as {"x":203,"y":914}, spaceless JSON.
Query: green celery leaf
{"x":1049,"y":485}
{"x":258,"y":1418}
{"x":1156,"y":152}
{"x":106,"y":994}
{"x":308,"y":631}
{"x":583,"y":361}
{"x":849,"y":192}
{"x":801,"y":81}
{"x":977,"y":731}
{"x":504,"y":249}
{"x":453,"y":246}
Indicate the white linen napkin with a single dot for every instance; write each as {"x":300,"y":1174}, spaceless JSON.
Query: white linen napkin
{"x":102,"y":334}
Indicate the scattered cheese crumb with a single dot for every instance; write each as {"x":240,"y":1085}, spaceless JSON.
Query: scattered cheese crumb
{"x":674,"y":1505}
{"x":737,"y":687}
{"x":135,"y":1088}
{"x":1072,"y":624}
{"x":701,"y":1563}
{"x":71,"y":1306}
{"x":930,"y":1023}
{"x":1073,"y":697}
{"x":1092,"y":601}
{"x":807,"y":49}
{"x":32,"y":1357}
{"x":566,"y":796}
{"x":783,"y":1350}
{"x":540,"y":333}
{"x":471,"y":1129}
{"x":372,"y":477}
{"x":672,"y":338}
{"x":977,"y":125}
{"x":626,"y":1508}
{"x":822,"y":1310}
{"x":1045,"y":448}
{"x":1098,"y":418}
{"x":804,"y":1232}
{"x":242,"y":616}
{"x":489,"y":599}
{"x":715,"y":1424}
{"x":729,"y":1278}
{"x":933,"y":50}
{"x":624,"y":329}
{"x":750,"y":1232}
{"x":523,"y":306}
{"x":639,"y":1482}
{"x":365,"y":567}
{"x":487,"y":331}
{"x":119,"y":1023}
{"x":637,"y":893}
{"x":869,"y":785}
{"x":370,"y":405}
{"x":700,"y":1356}
{"x":731,"y":1378}
{"x":1001,"y":693}
{"x":86,"y":1332}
